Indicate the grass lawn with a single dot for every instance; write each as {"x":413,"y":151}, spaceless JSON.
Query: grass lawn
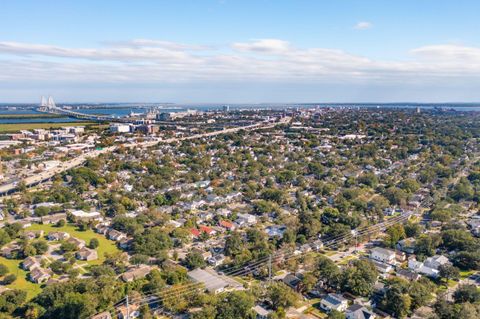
{"x":14,"y":127}
{"x":315,"y":311}
{"x":21,"y":283}
{"x":329,"y":253}
{"x":32,"y":289}
{"x":106,"y":246}
{"x":465,"y":274}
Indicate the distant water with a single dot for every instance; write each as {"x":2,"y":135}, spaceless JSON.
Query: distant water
{"x":124,"y":110}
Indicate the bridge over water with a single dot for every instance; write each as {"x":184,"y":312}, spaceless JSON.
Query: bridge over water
{"x":52,"y":109}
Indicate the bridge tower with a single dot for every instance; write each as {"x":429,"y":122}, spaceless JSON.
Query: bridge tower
{"x":51,"y":102}
{"x":43,"y":102}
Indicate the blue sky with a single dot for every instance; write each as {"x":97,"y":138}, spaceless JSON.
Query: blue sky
{"x":241,"y":51}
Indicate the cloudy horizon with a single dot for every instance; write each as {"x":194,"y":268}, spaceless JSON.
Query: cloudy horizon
{"x":243,"y":69}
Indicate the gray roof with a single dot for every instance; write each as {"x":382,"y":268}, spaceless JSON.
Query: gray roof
{"x":211,"y":279}
{"x":356,"y":311}
{"x":334,"y":299}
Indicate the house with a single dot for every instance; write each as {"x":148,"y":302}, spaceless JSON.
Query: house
{"x":116,"y":235}
{"x":357,"y":311}
{"x":39,"y":275}
{"x":11,"y":250}
{"x":436,"y":261}
{"x":383,"y":255}
{"x":227,"y":225}
{"x":261,"y":313}
{"x":31,"y":262}
{"x":53,"y":219}
{"x":246,"y":219}
{"x":86,"y":216}
{"x":32,"y":234}
{"x":383,"y":268}
{"x":406,"y":245}
{"x":214,"y":282}
{"x":276,"y":230}
{"x":334,"y":302}
{"x":102,"y":315}
{"x":132,"y":312}
{"x":207,"y":230}
{"x":317,"y":245}
{"x":292,"y":280}
{"x":58,"y":235}
{"x":216,"y":260}
{"x":195,"y":232}
{"x":430,"y":267}
{"x":101,"y":229}
{"x":408,"y":275}
{"x":79,"y":243}
{"x":136,"y":273}
{"x":86,"y":254}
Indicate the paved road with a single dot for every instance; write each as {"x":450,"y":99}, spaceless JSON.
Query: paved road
{"x":80,"y":160}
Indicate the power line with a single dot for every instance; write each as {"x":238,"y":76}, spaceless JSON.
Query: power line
{"x":251,"y":267}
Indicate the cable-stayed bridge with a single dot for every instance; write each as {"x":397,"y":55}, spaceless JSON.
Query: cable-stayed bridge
{"x":49,"y":106}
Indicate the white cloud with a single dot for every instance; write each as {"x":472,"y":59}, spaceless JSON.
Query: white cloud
{"x":363,"y":25}
{"x":263,"y":46}
{"x":153,"y":61}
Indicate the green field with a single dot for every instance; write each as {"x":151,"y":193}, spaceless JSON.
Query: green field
{"x":106,"y":246}
{"x":22,"y":283}
{"x":15,"y":127}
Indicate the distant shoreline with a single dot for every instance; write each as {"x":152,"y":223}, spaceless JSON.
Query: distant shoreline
{"x":26,"y":116}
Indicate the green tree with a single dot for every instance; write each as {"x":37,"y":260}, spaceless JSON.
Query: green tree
{"x":281,"y":296}
{"x":448,"y":272}
{"x":8,"y":279}
{"x":3,"y":270}
{"x":466,"y":293}
{"x":334,"y":314}
{"x":395,"y":233}
{"x":237,"y":304}
{"x":194,"y":260}
{"x":327,"y":271}
{"x":359,"y":277}
{"x":467,"y":260}
{"x":94,"y":243}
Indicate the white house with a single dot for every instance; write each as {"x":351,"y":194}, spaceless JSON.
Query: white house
{"x":383,"y":255}
{"x":334,"y":302}
{"x":430,"y":267}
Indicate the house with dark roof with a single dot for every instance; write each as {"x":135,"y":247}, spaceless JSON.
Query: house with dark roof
{"x":334,"y":302}
{"x":292,"y":280}
{"x":357,"y":311}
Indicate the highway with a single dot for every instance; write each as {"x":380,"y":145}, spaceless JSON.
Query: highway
{"x":80,"y":160}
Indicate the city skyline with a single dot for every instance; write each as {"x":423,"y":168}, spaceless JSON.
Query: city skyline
{"x":240,"y":52}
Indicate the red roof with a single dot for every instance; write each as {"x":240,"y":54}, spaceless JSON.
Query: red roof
{"x":206,"y":229}
{"x":195,"y":232}
{"x":226,"y":224}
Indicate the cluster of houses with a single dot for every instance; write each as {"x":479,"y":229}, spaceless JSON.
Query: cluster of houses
{"x":37,"y":266}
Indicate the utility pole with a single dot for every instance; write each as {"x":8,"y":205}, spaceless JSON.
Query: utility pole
{"x":128,"y":308}
{"x":270,"y":268}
